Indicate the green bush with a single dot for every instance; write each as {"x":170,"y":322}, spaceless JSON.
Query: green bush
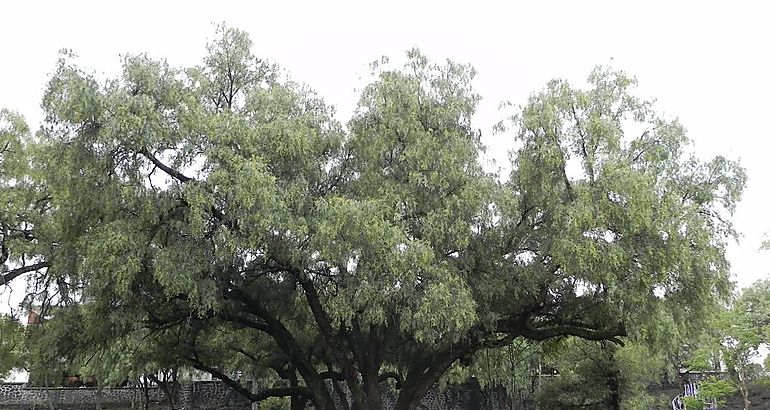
{"x":713,"y":388}
{"x":764,"y":381}
{"x":693,"y":403}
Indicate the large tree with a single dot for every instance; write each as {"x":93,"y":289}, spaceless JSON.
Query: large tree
{"x":220,"y":215}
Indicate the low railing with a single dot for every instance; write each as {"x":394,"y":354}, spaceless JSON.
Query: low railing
{"x":690,"y":389}
{"x":677,"y":403}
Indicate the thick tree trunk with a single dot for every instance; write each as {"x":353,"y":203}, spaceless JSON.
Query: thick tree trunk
{"x":423,"y":376}
{"x":254,"y":389}
{"x":408,"y":398}
{"x":322,"y":399}
{"x":372,"y":389}
{"x":163,"y":385}
{"x":298,"y":403}
{"x":332,"y":340}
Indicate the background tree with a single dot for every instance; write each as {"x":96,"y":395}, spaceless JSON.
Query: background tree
{"x":732,"y":338}
{"x":224,"y":202}
{"x":745,"y":327}
{"x":514,"y":367}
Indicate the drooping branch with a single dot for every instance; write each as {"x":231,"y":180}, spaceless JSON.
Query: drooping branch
{"x":245,"y":321}
{"x":168,"y":170}
{"x":218,"y":214}
{"x":252,"y":357}
{"x":583,"y":140}
{"x":14,"y":273}
{"x":286,"y":391}
{"x":551,"y":331}
{"x":242,"y":390}
{"x":280,"y":334}
{"x":496,"y":342}
{"x":215,"y":212}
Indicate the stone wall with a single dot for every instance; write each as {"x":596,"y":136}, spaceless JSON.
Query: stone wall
{"x":216,"y":395}
{"x":198,"y":395}
{"x":468,"y":396}
{"x":18,"y":395}
{"x":210,"y":395}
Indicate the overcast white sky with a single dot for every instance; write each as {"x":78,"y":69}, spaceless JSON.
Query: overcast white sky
{"x":706,"y":63}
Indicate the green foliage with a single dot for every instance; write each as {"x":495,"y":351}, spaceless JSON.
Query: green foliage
{"x":754,"y":307}
{"x":275,"y":403}
{"x":733,"y":337}
{"x":52,"y":347}
{"x":711,"y":389}
{"x":25,"y":234}
{"x":600,"y":375}
{"x":764,"y":382}
{"x":745,"y":327}
{"x":11,"y":337}
{"x":511,"y":366}
{"x":693,"y":402}
{"x":219,"y":217}
{"x":704,"y":359}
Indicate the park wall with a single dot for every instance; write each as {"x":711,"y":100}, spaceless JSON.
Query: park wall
{"x":217,"y":395}
{"x":196,"y":395}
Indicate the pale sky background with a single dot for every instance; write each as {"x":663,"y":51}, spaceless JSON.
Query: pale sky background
{"x":706,"y":63}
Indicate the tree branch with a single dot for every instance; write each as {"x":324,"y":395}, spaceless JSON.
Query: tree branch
{"x":245,"y":321}
{"x":282,"y":336}
{"x":253,"y":397}
{"x":168,"y":170}
{"x":14,"y":273}
{"x":549,"y":332}
{"x":324,"y":324}
{"x":579,"y":126}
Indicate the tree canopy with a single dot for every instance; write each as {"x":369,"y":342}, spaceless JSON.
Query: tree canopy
{"x":220,"y":217}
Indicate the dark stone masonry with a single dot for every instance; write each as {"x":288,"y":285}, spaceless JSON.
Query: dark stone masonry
{"x":197,"y":395}
{"x":216,"y":395}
